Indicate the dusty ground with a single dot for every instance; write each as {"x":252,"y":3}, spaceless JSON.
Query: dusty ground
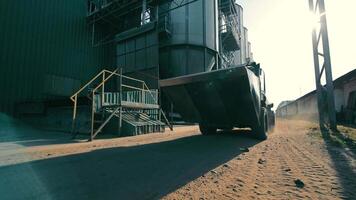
{"x":269,"y":170}
{"x":178,"y":165}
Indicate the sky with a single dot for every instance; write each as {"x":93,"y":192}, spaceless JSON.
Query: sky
{"x":280,"y":34}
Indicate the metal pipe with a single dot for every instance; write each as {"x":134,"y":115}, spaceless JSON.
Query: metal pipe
{"x":103,"y":88}
{"x":143,"y":13}
{"x":120,"y":112}
{"x":74,"y":114}
{"x":92,"y":117}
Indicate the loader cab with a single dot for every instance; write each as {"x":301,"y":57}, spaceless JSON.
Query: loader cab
{"x":263,"y":93}
{"x":264,"y":100}
{"x":258,"y":71}
{"x":262,"y":81}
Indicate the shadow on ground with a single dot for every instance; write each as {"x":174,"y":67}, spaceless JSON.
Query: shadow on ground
{"x":15,"y":134}
{"x":140,"y":172}
{"x":341,"y":159}
{"x":26,"y":136}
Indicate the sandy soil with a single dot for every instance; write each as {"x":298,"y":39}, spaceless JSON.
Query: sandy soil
{"x":178,"y":165}
{"x":295,"y":151}
{"x":37,"y":145}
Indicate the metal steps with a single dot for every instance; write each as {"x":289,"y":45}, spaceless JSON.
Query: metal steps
{"x":142,"y":123}
{"x":135,"y":105}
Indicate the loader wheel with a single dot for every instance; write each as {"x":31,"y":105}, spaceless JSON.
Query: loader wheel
{"x":207,"y":130}
{"x":260,"y":131}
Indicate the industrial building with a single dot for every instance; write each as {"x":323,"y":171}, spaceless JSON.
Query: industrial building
{"x":51,"y":49}
{"x":306,"y":106}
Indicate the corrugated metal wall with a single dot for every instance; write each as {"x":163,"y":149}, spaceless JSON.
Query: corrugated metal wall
{"x":40,"y":39}
{"x":139,"y":50}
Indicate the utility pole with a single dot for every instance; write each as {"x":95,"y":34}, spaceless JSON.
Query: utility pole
{"x":325,"y":96}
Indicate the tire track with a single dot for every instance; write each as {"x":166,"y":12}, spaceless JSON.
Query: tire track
{"x":288,"y":155}
{"x":295,"y":163}
{"x":320,"y":177}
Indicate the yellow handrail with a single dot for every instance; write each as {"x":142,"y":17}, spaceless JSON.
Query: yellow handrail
{"x":86,"y":85}
{"x":74,"y":97}
{"x":123,"y":76}
{"x":104,"y":81}
{"x":137,"y":80}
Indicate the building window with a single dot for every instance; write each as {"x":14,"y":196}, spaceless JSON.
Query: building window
{"x":146,"y":17}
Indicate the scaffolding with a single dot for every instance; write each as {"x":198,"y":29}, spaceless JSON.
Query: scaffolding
{"x":230,"y":34}
{"x":116,"y":16}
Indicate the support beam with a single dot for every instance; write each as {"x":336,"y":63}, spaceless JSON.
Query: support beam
{"x":173,"y":4}
{"x":326,"y":106}
{"x":143,"y":13}
{"x":327,"y":63}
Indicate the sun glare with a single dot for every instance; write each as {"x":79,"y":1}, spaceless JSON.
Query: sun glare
{"x":313,"y":20}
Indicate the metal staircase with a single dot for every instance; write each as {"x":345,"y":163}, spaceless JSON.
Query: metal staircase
{"x":142,"y":122}
{"x":230,"y":33}
{"x":133,"y":104}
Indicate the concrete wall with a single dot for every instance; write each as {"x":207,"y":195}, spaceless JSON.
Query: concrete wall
{"x":348,"y":88}
{"x":306,"y":107}
{"x":339,"y":99}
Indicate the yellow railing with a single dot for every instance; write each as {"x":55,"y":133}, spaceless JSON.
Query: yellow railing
{"x":105,"y":76}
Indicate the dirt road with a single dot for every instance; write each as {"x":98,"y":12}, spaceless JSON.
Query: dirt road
{"x":295,"y":163}
{"x":178,"y":165}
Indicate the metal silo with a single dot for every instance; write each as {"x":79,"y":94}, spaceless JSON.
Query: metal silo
{"x":244,"y":48}
{"x":249,"y":51}
{"x":240,"y":17}
{"x":240,"y":20}
{"x":192,"y":43}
